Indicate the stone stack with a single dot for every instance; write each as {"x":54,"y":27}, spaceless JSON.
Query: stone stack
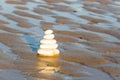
{"x":48,"y":45}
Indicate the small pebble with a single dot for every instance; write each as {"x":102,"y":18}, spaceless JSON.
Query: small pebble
{"x":48,"y":31}
{"x":49,"y":36}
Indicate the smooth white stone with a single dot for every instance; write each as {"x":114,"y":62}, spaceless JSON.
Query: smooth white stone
{"x":46,"y":41}
{"x":48,"y":52}
{"x":45,"y":46}
{"x":48,"y":31}
{"x":49,"y":36}
{"x":45,"y":52}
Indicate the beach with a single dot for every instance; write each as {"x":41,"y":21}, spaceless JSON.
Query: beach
{"x":87,"y":32}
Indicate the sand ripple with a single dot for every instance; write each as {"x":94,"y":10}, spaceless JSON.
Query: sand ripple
{"x":87,"y":31}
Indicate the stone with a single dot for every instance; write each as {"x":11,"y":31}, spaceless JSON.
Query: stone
{"x":48,"y":45}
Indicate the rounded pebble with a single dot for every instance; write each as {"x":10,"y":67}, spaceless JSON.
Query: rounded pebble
{"x":48,"y":31}
{"x":44,"y":46}
{"x":45,"y":52}
{"x":49,"y":36}
{"x":46,"y":41}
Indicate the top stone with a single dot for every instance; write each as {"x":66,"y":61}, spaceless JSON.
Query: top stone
{"x":48,"y":31}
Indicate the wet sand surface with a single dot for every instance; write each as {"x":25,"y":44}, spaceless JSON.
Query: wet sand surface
{"x":87,"y":31}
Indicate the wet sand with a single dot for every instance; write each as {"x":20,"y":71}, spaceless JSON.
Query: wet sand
{"x":87,"y":31}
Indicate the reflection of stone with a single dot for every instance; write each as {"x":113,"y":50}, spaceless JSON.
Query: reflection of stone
{"x":48,"y":45}
{"x":49,"y":69}
{"x":48,"y":65}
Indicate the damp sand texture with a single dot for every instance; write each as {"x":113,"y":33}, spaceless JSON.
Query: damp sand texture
{"x":87,"y":32}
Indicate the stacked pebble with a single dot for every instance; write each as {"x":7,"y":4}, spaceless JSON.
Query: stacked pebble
{"x":48,"y":45}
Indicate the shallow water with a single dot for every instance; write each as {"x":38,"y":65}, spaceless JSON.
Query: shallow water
{"x":87,"y":31}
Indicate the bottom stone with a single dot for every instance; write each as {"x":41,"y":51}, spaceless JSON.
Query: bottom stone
{"x":45,"y":52}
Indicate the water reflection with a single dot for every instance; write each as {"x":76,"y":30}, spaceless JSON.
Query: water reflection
{"x":47,"y":65}
{"x":44,"y":68}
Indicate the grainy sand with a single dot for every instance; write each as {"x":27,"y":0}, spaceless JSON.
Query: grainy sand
{"x":87,"y":31}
